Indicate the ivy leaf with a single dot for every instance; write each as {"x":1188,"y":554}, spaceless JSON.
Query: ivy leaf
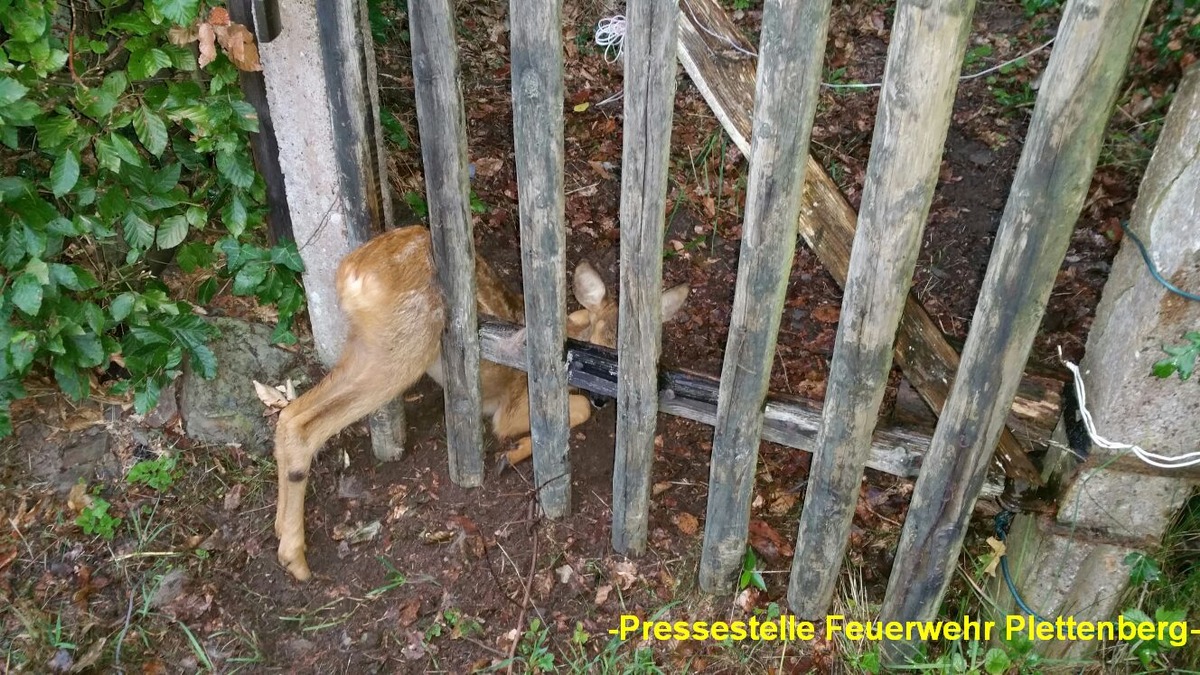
{"x":150,"y":130}
{"x":180,"y":12}
{"x":25,"y":25}
{"x":234,"y":215}
{"x":235,"y":167}
{"x":286,"y":254}
{"x":206,"y":291}
{"x":11,"y":90}
{"x":194,"y":256}
{"x":24,"y":346}
{"x":106,"y":156}
{"x":89,"y":352}
{"x":138,"y":233}
{"x":125,"y":149}
{"x":64,"y":174}
{"x":249,"y":277}
{"x":121,"y":306}
{"x":13,"y":188}
{"x":27,"y":294}
{"x":67,"y":277}
{"x":54,"y":132}
{"x":71,"y":380}
{"x":146,"y":64}
{"x":172,"y":232}
{"x":197,"y":217}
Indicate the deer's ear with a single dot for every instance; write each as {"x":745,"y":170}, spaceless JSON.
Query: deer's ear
{"x":589,"y":287}
{"x":672,"y":300}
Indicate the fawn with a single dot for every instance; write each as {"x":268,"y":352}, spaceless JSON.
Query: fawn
{"x":389,"y":292}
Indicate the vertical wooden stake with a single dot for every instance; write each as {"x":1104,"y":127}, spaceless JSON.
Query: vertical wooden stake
{"x":1047,"y":195}
{"x":789,"y":74}
{"x":649,"y":54}
{"x":443,"y":128}
{"x":537,"y":84}
{"x":924,"y":58}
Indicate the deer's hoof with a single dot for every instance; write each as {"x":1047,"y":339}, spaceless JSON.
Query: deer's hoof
{"x":291,"y":556}
{"x":502,"y":465}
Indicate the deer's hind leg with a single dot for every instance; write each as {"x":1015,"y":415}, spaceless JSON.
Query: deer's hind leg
{"x":367,"y":377}
{"x":513,"y":420}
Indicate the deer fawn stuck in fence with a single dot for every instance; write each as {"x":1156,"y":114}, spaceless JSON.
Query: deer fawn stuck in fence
{"x":389,"y":292}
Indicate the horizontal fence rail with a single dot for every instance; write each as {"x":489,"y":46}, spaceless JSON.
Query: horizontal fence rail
{"x":894,"y":450}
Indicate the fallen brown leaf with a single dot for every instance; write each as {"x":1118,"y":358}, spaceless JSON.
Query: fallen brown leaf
{"x":238,"y":43}
{"x":686,"y":522}
{"x":208,"y":44}
{"x":768,"y":542}
{"x":408,"y":613}
{"x":602,"y":594}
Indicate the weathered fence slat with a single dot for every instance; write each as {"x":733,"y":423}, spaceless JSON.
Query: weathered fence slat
{"x":789,"y":74}
{"x":349,"y":61}
{"x":263,"y":144}
{"x":649,"y":53}
{"x":726,"y":80}
{"x":537,"y":86}
{"x":1047,"y":195}
{"x":442,"y":124}
{"x":921,"y":77}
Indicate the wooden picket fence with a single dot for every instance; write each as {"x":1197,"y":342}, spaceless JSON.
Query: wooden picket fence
{"x":879,"y":321}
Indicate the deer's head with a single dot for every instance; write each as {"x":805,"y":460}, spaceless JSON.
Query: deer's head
{"x":597,"y":321}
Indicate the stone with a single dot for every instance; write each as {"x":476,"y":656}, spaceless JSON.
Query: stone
{"x":166,"y":410}
{"x":226,"y":409}
{"x":169,"y":588}
{"x":63,"y":459}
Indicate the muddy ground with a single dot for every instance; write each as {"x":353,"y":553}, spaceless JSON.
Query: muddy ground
{"x":456,"y":579}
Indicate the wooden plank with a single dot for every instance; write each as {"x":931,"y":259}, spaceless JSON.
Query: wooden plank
{"x":789,"y":77}
{"x":263,"y":145}
{"x":920,"y":79}
{"x":895,"y":450}
{"x":348,"y":58}
{"x":709,"y":45}
{"x":649,"y":53}
{"x":346,"y":48}
{"x":441,"y":120}
{"x":1048,"y":191}
{"x":537,"y":85}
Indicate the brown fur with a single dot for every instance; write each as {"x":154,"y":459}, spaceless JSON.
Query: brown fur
{"x":389,"y":292}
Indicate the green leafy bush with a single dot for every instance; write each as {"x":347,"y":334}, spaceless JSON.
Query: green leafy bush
{"x":119,"y":154}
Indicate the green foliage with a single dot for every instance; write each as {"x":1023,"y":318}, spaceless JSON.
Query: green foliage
{"x":381,"y":15}
{"x":394,"y":131}
{"x":1150,"y":652}
{"x":534,"y":648}
{"x":1142,"y":569}
{"x":1035,"y":7}
{"x":158,"y":474}
{"x":125,"y":152}
{"x":1178,"y":32}
{"x":417,"y":203}
{"x":95,"y":519}
{"x":1180,"y":358}
{"x":751,"y":574}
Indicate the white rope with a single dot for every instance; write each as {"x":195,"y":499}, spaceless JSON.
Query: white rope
{"x":609,"y":32}
{"x":1153,"y":459}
